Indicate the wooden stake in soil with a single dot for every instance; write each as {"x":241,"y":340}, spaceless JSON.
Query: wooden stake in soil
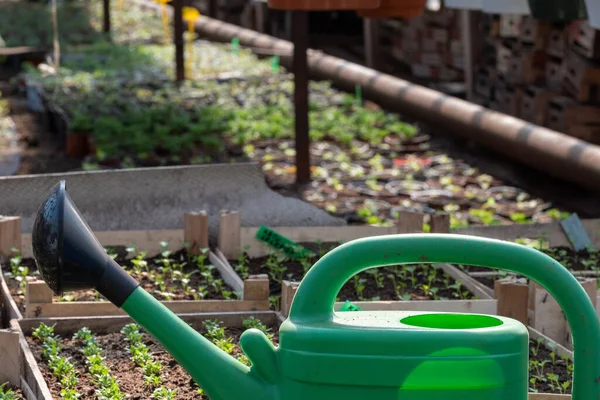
{"x":229,"y":234}
{"x":196,"y":231}
{"x":512,"y":299}
{"x":37,"y":292}
{"x":440,"y":223}
{"x":288,"y":291}
{"x":410,"y":222}
{"x":10,"y":357}
{"x":256,"y":287}
{"x":10,"y":235}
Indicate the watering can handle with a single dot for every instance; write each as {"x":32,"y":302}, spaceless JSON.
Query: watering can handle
{"x":316,"y":295}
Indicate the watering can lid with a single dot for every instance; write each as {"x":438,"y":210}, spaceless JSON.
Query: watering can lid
{"x":402,"y":333}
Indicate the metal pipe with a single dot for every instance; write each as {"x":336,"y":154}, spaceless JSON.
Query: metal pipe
{"x":546,"y":150}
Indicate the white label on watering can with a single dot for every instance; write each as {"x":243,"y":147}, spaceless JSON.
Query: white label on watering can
{"x":506,"y":7}
{"x":465,"y":4}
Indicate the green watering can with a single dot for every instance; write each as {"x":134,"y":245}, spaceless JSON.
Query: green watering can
{"x":325,"y":355}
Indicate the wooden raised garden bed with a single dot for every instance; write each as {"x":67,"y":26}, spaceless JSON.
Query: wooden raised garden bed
{"x":189,"y":280}
{"x":110,"y":335}
{"x":524,"y":301}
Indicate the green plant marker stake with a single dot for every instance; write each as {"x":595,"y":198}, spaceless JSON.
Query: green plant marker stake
{"x":235,"y":45}
{"x":359,"y":101}
{"x":349,"y":306}
{"x":283,"y":244}
{"x":275,"y":64}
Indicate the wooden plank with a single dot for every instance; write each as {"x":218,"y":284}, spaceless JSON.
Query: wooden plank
{"x":288,"y":291}
{"x":547,"y":316}
{"x":109,"y":324}
{"x":459,"y":306}
{"x":551,"y":232}
{"x":105,"y":308}
{"x":10,"y":235}
{"x":196,"y":231}
{"x":545,"y":396}
{"x":591,"y":288}
{"x":475,"y":287}
{"x":30,"y":371}
{"x":10,"y":357}
{"x":409,"y":222}
{"x":440,"y":223}
{"x":6,"y":301}
{"x":512,"y":300}
{"x":256,"y":288}
{"x":229,"y":234}
{"x":227,"y":272}
{"x":310,"y":234}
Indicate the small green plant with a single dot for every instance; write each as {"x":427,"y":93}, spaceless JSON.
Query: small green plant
{"x":7,"y":393}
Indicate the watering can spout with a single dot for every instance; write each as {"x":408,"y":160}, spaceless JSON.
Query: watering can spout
{"x":69,"y":257}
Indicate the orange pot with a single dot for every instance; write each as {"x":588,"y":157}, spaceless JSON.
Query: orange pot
{"x":324,"y":5}
{"x":396,"y":9}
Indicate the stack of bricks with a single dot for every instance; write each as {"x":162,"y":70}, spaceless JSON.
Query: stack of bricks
{"x":545,"y":73}
{"x":430,"y":45}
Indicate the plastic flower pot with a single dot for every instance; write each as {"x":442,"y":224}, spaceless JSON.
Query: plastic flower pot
{"x":396,"y":9}
{"x":323,"y":5}
{"x":558,"y":10}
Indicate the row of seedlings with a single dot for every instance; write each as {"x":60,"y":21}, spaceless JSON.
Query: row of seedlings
{"x":183,"y":273}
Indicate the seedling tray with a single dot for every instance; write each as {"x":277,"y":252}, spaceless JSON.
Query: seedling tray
{"x":215,"y":280}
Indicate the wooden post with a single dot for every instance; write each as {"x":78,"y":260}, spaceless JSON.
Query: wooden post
{"x":410,"y":222}
{"x":288,"y":291}
{"x":10,"y":357}
{"x":178,"y":39}
{"x":300,"y":68}
{"x":196,"y":231}
{"x":440,"y":223}
{"x":512,"y":299}
{"x":37,"y":293}
{"x":229,"y":241}
{"x":256,"y":287}
{"x":546,"y":315}
{"x":371,"y":34}
{"x":10,"y":235}
{"x":106,"y":7}
{"x":591,"y":288}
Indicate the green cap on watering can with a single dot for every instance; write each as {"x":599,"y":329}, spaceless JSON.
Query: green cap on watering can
{"x":326,"y":355}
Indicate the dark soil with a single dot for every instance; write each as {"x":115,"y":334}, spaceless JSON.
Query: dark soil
{"x":541,"y":364}
{"x":129,"y":376}
{"x":173,"y":287}
{"x":389,"y":283}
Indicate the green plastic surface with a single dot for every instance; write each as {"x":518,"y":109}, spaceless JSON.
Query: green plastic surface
{"x":558,"y":10}
{"x":324,"y":355}
{"x":279,"y":242}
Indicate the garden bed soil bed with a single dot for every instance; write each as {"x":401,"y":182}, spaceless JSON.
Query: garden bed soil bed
{"x":575,"y":261}
{"x":130,"y":377}
{"x":408,"y":282}
{"x":548,"y":373}
{"x":167,"y":276}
